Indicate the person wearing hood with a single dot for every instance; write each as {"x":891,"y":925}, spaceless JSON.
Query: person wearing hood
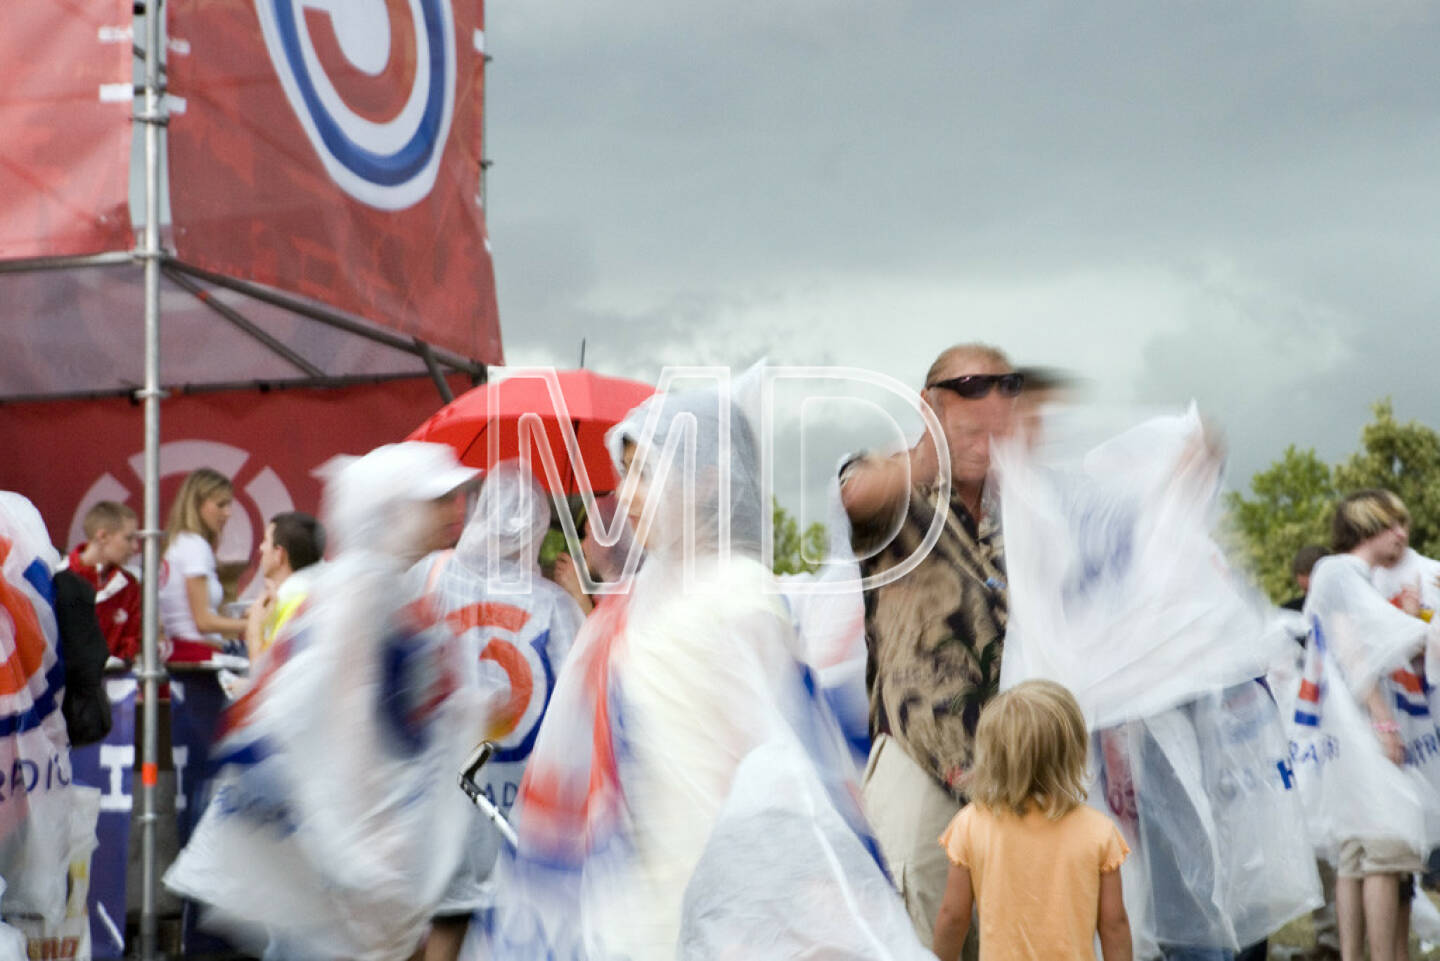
{"x":518,"y":628}
{"x":334,"y":824}
{"x":680,"y":723}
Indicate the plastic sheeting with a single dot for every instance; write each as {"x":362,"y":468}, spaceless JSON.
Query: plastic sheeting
{"x":1367,"y":635}
{"x":1359,"y":641}
{"x":36,"y":796}
{"x":68,"y":937}
{"x":1203,"y":796}
{"x":668,"y":693}
{"x":828,"y":610}
{"x":91,"y":338}
{"x":517,"y":628}
{"x":66,"y":181}
{"x":1116,"y":557}
{"x":335,"y":820}
{"x":825,"y":898}
{"x":1415,"y":570}
{"x":722,"y":513}
{"x":1118,"y":592}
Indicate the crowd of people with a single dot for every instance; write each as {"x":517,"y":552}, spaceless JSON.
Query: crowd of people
{"x":1080,"y":726}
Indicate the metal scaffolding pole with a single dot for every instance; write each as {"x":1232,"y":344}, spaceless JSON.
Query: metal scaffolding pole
{"x":153,"y":117}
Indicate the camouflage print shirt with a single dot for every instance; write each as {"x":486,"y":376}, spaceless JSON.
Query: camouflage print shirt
{"x":935,"y":635}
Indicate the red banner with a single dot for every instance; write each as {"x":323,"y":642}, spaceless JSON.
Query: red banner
{"x":65,"y":113}
{"x":71,"y":454}
{"x":333,"y":150}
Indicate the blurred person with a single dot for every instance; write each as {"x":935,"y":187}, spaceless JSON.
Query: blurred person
{"x":518,"y":627}
{"x":680,"y":723}
{"x":1322,"y":919}
{"x":594,"y":558}
{"x":111,"y":540}
{"x":935,"y":635}
{"x":190,"y":589}
{"x":37,"y":800}
{"x":1043,"y":867}
{"x":293,"y":546}
{"x":1410,"y":580}
{"x":1120,"y":593}
{"x":1305,"y":560}
{"x":335,"y":823}
{"x":1362,"y":649}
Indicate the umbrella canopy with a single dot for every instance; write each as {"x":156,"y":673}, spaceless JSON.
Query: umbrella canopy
{"x":483,"y":425}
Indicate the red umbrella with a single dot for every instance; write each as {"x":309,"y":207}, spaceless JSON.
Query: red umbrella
{"x":593,"y":404}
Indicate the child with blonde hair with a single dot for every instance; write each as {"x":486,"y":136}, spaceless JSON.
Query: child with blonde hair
{"x":1041,"y":864}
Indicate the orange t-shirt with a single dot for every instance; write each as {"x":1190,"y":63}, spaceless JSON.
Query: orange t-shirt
{"x":1036,"y":881}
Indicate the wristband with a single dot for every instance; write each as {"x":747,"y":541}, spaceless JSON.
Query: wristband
{"x":1386,"y":727}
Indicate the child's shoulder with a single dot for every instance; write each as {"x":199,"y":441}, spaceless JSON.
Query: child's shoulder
{"x":1085,"y":818}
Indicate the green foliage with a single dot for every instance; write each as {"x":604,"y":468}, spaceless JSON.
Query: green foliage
{"x":1291,"y":502}
{"x":1291,"y":507}
{"x":1404,"y":458}
{"x":796,"y":552}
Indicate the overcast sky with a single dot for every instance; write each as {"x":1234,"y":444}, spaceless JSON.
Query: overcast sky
{"x":1233,"y":201}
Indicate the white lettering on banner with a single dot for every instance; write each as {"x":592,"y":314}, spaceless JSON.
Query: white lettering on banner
{"x":116,"y":759}
{"x":388,"y":164}
{"x":119,"y":688}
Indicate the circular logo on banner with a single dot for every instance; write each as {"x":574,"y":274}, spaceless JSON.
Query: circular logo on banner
{"x":260,"y":494}
{"x":373,"y":84}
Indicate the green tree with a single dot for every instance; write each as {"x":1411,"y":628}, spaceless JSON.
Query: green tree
{"x":796,"y":552}
{"x":1404,"y":458}
{"x":1290,"y":507}
{"x":1291,"y":502}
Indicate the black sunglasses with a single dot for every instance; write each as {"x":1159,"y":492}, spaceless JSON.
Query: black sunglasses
{"x":975,"y":386}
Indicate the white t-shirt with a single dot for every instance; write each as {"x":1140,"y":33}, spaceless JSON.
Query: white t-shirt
{"x":189,"y":555}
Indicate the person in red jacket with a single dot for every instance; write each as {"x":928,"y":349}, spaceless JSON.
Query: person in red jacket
{"x":111,"y":539}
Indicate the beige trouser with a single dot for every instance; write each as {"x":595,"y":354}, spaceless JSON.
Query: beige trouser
{"x":908,"y":812}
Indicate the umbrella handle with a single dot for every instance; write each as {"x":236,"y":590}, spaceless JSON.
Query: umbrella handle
{"x":476,"y":794}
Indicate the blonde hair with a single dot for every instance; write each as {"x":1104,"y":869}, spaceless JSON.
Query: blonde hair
{"x":982,"y":352}
{"x":106,"y":516}
{"x":1030,"y":748}
{"x":1363,"y":514}
{"x":199,"y":486}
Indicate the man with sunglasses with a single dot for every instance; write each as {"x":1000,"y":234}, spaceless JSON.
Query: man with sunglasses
{"x":935,"y":635}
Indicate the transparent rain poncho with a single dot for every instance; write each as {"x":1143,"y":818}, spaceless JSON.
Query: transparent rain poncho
{"x":335,"y":822}
{"x":517,"y":628}
{"x":656,"y":723}
{"x":1414,"y":571}
{"x":1119,"y":592}
{"x":828,"y":610}
{"x":35,"y":793}
{"x":1359,"y":642}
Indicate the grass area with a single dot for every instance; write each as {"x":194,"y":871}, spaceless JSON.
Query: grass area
{"x":1297,"y":940}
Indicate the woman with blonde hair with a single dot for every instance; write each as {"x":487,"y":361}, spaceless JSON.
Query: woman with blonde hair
{"x":190,"y":591}
{"x":1042,"y":865}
